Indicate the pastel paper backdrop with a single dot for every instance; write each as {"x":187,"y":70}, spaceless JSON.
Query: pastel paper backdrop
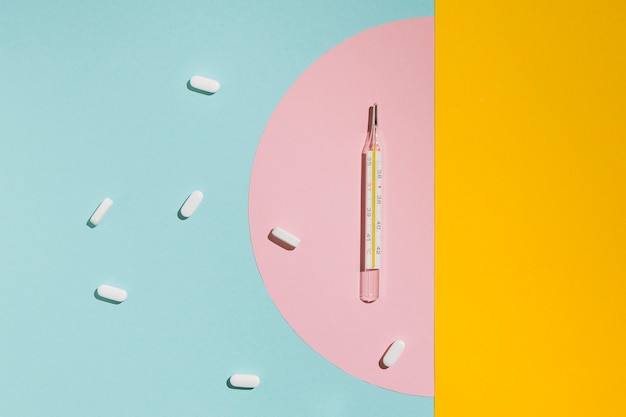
{"x":93,"y":104}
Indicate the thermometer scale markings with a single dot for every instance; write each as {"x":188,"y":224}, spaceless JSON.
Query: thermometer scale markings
{"x":373,"y":206}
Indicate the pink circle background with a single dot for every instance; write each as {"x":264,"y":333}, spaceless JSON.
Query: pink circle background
{"x":306,"y":180}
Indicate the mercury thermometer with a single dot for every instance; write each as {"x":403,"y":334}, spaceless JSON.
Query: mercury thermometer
{"x":371,"y":212}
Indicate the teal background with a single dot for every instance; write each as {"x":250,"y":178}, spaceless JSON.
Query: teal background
{"x":94,"y":104}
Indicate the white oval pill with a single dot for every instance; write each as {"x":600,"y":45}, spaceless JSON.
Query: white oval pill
{"x":102,"y":209}
{"x":204,"y":84}
{"x":191,"y":204}
{"x":112,"y":293}
{"x":248,"y":381}
{"x":394,"y":352}
{"x":285,"y":237}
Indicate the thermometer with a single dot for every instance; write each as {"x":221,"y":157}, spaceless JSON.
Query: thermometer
{"x":371,"y":212}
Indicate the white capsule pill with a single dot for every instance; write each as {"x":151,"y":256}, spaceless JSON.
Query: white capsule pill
{"x":191,"y":204}
{"x":204,"y":84}
{"x":112,"y":293}
{"x":393,"y":353}
{"x":285,"y":237}
{"x":247,"y":381}
{"x":102,"y":209}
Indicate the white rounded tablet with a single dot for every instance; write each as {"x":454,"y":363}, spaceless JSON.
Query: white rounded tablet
{"x":393,"y":353}
{"x":112,"y":293}
{"x":102,"y":209}
{"x":191,"y":204}
{"x":285,"y":237}
{"x":204,"y":84}
{"x":247,"y":381}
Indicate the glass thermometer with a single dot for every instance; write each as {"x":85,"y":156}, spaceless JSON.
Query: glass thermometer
{"x":371,"y":212}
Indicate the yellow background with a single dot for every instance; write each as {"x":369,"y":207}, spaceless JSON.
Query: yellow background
{"x":530,"y":208}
